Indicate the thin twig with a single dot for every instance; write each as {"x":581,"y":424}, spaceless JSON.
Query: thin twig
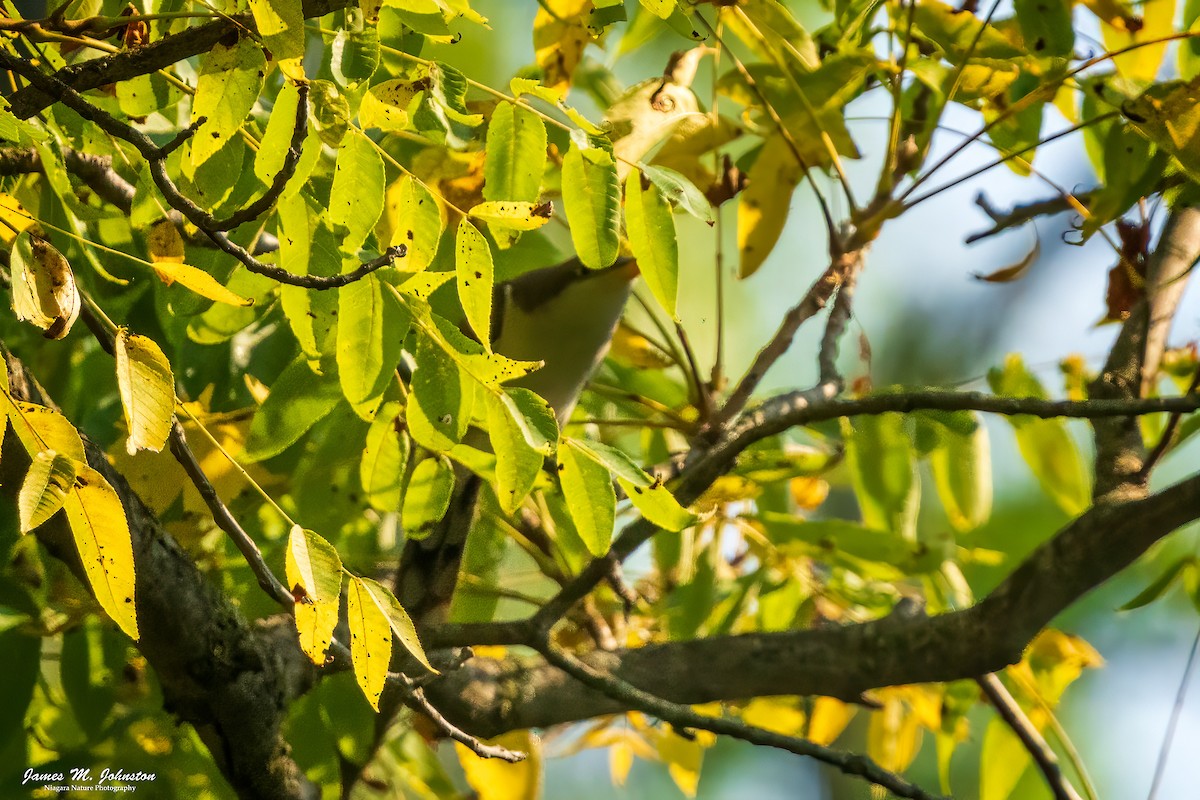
{"x":1160,"y":766}
{"x":1015,"y":718}
{"x":415,"y":697}
{"x":156,"y":160}
{"x":835,"y":326}
{"x":809,"y":306}
{"x":1019,"y":215}
{"x":683,"y":718}
{"x":1168,"y":435}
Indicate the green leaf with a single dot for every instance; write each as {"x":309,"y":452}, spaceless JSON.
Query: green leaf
{"x":482,"y":558}
{"x":97,"y":522}
{"x":647,"y":493}
{"x":308,"y":246}
{"x":331,"y":112}
{"x":651,"y":230}
{"x":281,"y":24}
{"x":356,"y":199}
{"x":588,"y":491}
{"x":413,"y":218}
{"x":147,"y":391}
{"x":370,"y":332}
{"x":1169,"y":115}
{"x":298,"y":400}
{"x":277,"y":138}
{"x":1046,"y":26}
{"x":882,"y":467}
{"x":370,"y":639}
{"x":314,"y":574}
{"x":659,"y":8}
{"x":354,"y":55}
{"x":837,"y":536}
{"x":516,"y":155}
{"x":46,"y":484}
{"x":476,"y":279}
{"x":1045,"y":444}
{"x":962,"y":470}
{"x":427,"y":496}
{"x":517,"y":463}
{"x":1161,"y":584}
{"x":680,"y":192}
{"x":381,"y":470}
{"x":592,"y":200}
{"x":440,"y":402}
{"x":228,"y":86}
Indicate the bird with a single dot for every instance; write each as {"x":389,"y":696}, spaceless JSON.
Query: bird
{"x":563,"y":315}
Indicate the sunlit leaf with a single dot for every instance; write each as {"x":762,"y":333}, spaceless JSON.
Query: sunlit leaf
{"x":198,"y":281}
{"x":228,"y":85}
{"x":493,"y":779}
{"x":370,"y":333}
{"x":381,"y":470}
{"x":147,"y":391}
{"x":43,"y":286}
{"x":356,"y":199}
{"x":651,"y":230}
{"x":592,"y":199}
{"x":45,"y":487}
{"x":370,"y":639}
{"x":398,"y":620}
{"x":427,"y":496}
{"x":516,"y":155}
{"x":763,"y":206}
{"x":314,"y":574}
{"x":518,"y":216}
{"x":97,"y":522}
{"x":476,"y":279}
{"x":281,"y":24}
{"x":412,"y":218}
{"x":588,"y":490}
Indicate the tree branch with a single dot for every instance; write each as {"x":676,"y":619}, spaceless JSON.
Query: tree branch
{"x":1015,"y":718}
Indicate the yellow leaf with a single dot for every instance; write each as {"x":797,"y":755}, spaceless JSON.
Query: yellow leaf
{"x":560,"y":35}
{"x":199,"y":282}
{"x":147,"y":391}
{"x":828,"y":718}
{"x":97,"y":521}
{"x":43,"y":286}
{"x":807,"y":492}
{"x":493,"y":779}
{"x":314,"y":573}
{"x":763,"y":206}
{"x":638,"y":351}
{"x":164,"y":242}
{"x":1142,"y":63}
{"x":41,"y":429}
{"x":512,"y":214}
{"x":370,"y":640}
{"x":14,"y":219}
{"x":776,"y":714}
{"x":894,"y":734}
{"x":683,"y":758}
{"x":620,"y":761}
{"x":398,"y":620}
{"x":46,"y":484}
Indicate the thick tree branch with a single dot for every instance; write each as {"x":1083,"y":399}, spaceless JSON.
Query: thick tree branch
{"x":127,"y":64}
{"x":215,"y":672}
{"x":488,"y":697}
{"x":1132,"y":366}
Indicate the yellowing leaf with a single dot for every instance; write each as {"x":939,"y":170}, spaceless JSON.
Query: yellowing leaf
{"x":683,"y":758}
{"x":228,"y":86}
{"x":413,"y":218}
{"x":97,"y":522}
{"x":16,"y":219}
{"x":281,"y":24}
{"x":45,"y":487}
{"x":476,"y":279}
{"x":774,"y":714}
{"x":314,"y":573}
{"x":1142,"y":63}
{"x":370,"y":639}
{"x":386,"y":105}
{"x":164,"y":242}
{"x":519,"y":216}
{"x":43,"y":286}
{"x":827,"y":719}
{"x":763,"y":206}
{"x":560,"y":35}
{"x":199,"y":282}
{"x":493,"y":779}
{"x":399,"y":621}
{"x":147,"y":391}
{"x":40,"y":428}
{"x":356,"y":198}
